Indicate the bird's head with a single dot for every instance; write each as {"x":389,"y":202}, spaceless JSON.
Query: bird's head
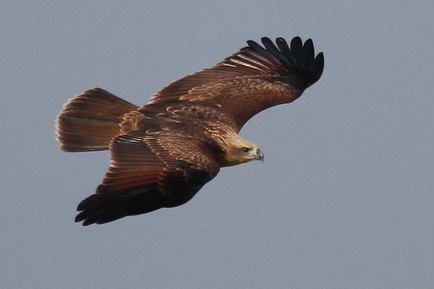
{"x":241,"y":151}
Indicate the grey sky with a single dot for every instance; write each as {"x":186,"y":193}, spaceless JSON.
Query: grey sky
{"x":345,"y":198}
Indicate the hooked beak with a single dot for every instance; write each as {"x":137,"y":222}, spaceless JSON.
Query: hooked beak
{"x":259,"y":156}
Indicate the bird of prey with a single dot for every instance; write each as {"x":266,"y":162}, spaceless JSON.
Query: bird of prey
{"x":164,"y":152}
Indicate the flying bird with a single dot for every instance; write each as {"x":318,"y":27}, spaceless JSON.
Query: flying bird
{"x":164,"y":152}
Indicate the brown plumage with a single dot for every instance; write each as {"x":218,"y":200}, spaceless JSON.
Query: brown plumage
{"x":164,"y":152}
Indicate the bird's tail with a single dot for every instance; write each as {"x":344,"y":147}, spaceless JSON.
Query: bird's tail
{"x":89,"y":121}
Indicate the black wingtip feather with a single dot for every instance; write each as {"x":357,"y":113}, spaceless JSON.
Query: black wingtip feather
{"x":101,"y":208}
{"x":271,"y":47}
{"x":297,"y":57}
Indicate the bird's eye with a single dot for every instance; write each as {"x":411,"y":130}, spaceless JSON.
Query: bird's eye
{"x":245,"y":150}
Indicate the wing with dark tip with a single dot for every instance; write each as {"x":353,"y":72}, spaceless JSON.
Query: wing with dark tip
{"x":148,"y":173}
{"x":251,"y":80}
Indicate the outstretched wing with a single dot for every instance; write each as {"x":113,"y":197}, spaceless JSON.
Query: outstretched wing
{"x":148,"y":173}
{"x":251,"y":80}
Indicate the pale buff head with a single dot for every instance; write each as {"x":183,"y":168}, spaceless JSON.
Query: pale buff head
{"x":237,"y":151}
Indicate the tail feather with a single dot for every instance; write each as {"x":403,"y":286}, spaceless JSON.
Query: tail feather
{"x":90,"y":120}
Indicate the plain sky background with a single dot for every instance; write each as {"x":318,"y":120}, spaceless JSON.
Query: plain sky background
{"x":345,"y":198}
